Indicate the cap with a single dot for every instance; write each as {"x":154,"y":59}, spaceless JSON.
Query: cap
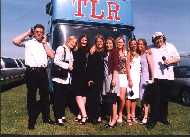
{"x":157,"y":34}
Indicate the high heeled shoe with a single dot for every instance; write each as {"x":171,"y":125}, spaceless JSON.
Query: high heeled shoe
{"x":59,"y":122}
{"x":144,"y":121}
{"x":83,"y":120}
{"x":99,"y":119}
{"x":78,"y":118}
{"x":119,"y":119}
{"x":134,"y":119}
{"x":129,"y":121}
{"x":110,"y":125}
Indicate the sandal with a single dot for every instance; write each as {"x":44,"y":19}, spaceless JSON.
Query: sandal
{"x":119,"y":119}
{"x":129,"y":121}
{"x":134,"y":119}
{"x":83,"y":120}
{"x":144,"y":121}
{"x":110,"y":126}
{"x":99,"y":119}
{"x":78,"y":118}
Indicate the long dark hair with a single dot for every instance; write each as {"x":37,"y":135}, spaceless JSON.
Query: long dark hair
{"x":112,"y":40}
{"x":79,"y":42}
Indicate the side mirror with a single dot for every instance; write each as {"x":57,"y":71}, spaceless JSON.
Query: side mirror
{"x":49,"y":8}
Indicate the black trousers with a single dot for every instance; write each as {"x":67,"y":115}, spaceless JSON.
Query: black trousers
{"x":37,"y":79}
{"x":61,"y":94}
{"x":159,"y":102}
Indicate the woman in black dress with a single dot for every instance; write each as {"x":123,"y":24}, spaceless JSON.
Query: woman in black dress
{"x":79,"y":83}
{"x":95,"y":77}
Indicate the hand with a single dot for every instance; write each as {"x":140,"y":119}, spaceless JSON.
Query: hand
{"x":90,"y":83}
{"x":44,"y":40}
{"x":152,"y":80}
{"x":30,"y":33}
{"x":130,"y":83}
{"x":167,"y":62}
{"x":92,"y":49}
{"x":149,"y":81}
{"x":113,"y":82}
{"x":70,"y":67}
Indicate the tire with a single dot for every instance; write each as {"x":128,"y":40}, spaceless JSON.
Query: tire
{"x":185,"y":97}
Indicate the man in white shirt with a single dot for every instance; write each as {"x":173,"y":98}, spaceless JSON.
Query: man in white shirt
{"x":36,"y":52}
{"x":165,"y":55}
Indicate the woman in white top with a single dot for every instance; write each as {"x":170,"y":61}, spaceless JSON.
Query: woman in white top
{"x":133,"y":75}
{"x":64,"y":59}
{"x":146,"y":76}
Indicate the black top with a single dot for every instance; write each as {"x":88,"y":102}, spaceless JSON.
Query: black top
{"x":79,"y":82}
{"x":95,"y":68}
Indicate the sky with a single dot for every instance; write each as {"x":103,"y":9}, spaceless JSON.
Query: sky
{"x":172,"y":17}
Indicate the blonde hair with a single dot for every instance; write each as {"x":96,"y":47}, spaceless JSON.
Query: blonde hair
{"x":122,"y":38}
{"x":72,"y":37}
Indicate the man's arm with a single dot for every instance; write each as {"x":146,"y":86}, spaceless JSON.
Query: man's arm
{"x":19,"y":39}
{"x":50,"y":52}
{"x":175,"y":57}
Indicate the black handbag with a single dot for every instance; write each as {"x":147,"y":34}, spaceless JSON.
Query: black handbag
{"x":111,"y":97}
{"x":108,"y":100}
{"x":59,"y":72}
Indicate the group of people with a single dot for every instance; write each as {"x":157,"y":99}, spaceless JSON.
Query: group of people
{"x":111,"y":70}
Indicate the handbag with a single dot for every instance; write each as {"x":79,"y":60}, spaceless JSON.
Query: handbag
{"x":58,"y":71}
{"x":108,"y":100}
{"x":111,"y":97}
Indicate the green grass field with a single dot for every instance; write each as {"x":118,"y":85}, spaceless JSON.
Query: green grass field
{"x":14,"y":120}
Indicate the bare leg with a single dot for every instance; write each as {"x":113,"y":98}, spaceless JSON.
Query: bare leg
{"x":133,"y":108}
{"x":128,"y":105}
{"x":84,"y":99}
{"x":146,"y":111}
{"x":81,"y":104}
{"x":122,"y":103}
{"x":129,"y":113}
{"x":114,"y":114}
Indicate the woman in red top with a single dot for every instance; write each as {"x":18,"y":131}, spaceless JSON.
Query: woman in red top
{"x":110,"y":84}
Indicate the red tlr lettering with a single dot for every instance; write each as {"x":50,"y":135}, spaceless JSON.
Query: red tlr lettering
{"x":115,"y":11}
{"x":93,"y":13}
{"x":79,"y":8}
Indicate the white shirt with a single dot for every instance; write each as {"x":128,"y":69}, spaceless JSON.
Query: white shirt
{"x":58,"y":60}
{"x":161,"y":71}
{"x":35,"y":54}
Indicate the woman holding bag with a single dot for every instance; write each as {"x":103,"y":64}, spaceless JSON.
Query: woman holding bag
{"x":64,"y":59}
{"x":110,"y":84}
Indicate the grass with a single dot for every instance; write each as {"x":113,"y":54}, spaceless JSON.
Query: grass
{"x":14,"y":120}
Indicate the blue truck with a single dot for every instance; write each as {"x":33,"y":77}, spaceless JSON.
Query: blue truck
{"x":77,"y":17}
